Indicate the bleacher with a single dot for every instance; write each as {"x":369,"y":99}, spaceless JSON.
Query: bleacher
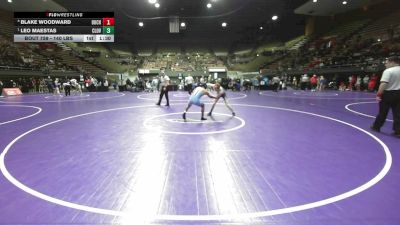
{"x":6,"y":23}
{"x":345,"y":44}
{"x":347,"y":29}
{"x":380,"y":29}
{"x":296,"y":43}
{"x":115,"y":60}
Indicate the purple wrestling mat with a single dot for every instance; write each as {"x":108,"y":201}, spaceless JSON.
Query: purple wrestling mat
{"x":117,"y":158}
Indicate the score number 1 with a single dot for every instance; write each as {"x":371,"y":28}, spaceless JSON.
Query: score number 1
{"x":108,"y":25}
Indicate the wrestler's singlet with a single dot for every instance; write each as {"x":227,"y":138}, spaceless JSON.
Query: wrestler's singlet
{"x":196,"y":95}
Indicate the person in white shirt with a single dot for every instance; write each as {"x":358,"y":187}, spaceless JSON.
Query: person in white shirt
{"x":275,"y":83}
{"x":220,"y":94}
{"x":189,"y":83}
{"x":74,"y":83}
{"x":388,"y":95}
{"x":154,"y":84}
{"x":164,"y":83}
{"x":105,"y":84}
{"x":148,"y":86}
{"x":202,"y":80}
{"x":57,"y":86}
{"x":358,"y":83}
{"x":304,"y":82}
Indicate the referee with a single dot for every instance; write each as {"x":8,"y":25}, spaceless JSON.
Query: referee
{"x":164,"y":83}
{"x":389,"y":95}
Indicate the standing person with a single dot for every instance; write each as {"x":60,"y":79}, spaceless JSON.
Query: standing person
{"x":194,"y":99}
{"x":256,"y":84}
{"x":74,"y":83}
{"x":105,"y":84}
{"x":365,"y":83}
{"x":352,"y":82}
{"x":282,"y":84}
{"x":358,"y":83}
{"x":220,"y":94}
{"x":67,"y":87}
{"x":189,"y":83}
{"x":1,"y":87}
{"x":275,"y":83}
{"x":294,"y":83}
{"x":57,"y":86}
{"x":202,"y":81}
{"x":154,"y":84}
{"x":42,"y":85}
{"x":372,"y":82}
{"x":314,"y":82}
{"x":49,"y":83}
{"x":87,"y":82}
{"x":322,"y":83}
{"x":164,"y":83}
{"x":148,"y":86}
{"x":304,"y":82}
{"x":388,"y":95}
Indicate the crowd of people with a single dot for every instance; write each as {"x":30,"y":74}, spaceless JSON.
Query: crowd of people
{"x":55,"y":85}
{"x":342,"y":83}
{"x":40,"y":57}
{"x":182,"y":61}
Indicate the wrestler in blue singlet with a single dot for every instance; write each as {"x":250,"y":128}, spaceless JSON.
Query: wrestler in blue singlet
{"x":194,"y":99}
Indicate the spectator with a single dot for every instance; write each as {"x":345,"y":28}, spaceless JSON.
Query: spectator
{"x":365,"y":82}
{"x":275,"y":83}
{"x":1,"y":87}
{"x":314,"y":82}
{"x":372,"y":83}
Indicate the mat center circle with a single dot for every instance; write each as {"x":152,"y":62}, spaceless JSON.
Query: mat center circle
{"x":173,"y":123}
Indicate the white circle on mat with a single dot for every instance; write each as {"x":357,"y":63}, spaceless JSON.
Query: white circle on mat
{"x":66,"y":99}
{"x":338,"y":97}
{"x":63,"y":96}
{"x":318,"y":94}
{"x":224,"y":217}
{"x":181,"y":95}
{"x":147,"y":121}
{"x":155,"y":98}
{"x":25,"y":117}
{"x":347,"y":107}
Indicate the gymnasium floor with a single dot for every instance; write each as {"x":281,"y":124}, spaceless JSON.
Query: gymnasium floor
{"x":287,"y":158}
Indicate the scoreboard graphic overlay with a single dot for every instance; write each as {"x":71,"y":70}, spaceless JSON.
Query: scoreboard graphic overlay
{"x":64,"y":26}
